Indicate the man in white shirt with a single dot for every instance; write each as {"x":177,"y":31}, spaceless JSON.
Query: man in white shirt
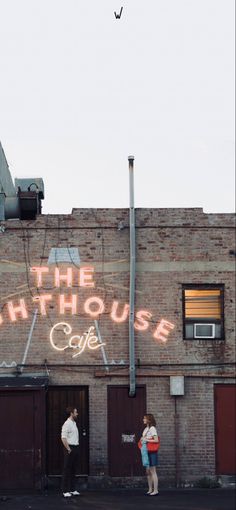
{"x":70,"y":440}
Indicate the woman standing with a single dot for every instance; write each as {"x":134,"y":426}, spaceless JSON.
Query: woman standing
{"x":150,"y":435}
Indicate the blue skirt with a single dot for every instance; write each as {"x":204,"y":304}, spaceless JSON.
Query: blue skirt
{"x":153,"y":458}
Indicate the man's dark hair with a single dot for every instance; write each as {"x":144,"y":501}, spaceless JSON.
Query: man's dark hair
{"x":69,"y":410}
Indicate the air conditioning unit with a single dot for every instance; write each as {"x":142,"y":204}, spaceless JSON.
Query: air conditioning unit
{"x":204,"y":331}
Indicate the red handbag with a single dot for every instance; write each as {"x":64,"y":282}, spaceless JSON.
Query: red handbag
{"x":151,"y":447}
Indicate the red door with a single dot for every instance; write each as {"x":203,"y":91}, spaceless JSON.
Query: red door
{"x":125,"y":426}
{"x":21,"y":439}
{"x":225,"y":427}
{"x":58,"y":399}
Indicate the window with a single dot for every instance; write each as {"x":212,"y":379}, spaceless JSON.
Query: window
{"x":203,"y":311}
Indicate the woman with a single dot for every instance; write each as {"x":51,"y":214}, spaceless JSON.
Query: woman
{"x":150,"y":435}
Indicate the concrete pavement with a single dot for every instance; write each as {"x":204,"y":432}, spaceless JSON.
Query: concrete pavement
{"x":189,"y":499}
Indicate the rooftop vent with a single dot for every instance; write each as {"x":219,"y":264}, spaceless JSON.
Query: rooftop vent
{"x":22,"y":200}
{"x":30,"y":192}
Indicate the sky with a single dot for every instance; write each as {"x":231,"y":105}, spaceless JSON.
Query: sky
{"x":80,"y":91}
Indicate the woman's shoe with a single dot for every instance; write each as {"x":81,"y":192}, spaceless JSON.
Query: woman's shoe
{"x":154,"y":493}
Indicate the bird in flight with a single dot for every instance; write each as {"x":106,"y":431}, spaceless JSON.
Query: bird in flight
{"x":119,"y":14}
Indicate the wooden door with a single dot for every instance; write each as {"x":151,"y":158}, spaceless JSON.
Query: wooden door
{"x":125,"y":426}
{"x":225,"y":427}
{"x":21,"y":439}
{"x":58,"y":399}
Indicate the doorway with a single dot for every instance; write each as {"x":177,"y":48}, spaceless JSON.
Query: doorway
{"x":125,"y":426}
{"x":22,"y":432}
{"x":225,"y":426}
{"x":58,"y":399}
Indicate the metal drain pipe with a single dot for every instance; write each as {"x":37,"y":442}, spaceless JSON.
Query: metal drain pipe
{"x":132,"y":387}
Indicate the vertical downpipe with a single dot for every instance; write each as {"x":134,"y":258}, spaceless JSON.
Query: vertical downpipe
{"x":132,"y":388}
{"x":176,"y":444}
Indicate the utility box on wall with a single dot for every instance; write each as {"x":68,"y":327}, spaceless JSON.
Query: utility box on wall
{"x":177,"y":385}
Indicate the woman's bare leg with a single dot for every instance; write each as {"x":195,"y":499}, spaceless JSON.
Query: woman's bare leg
{"x":149,"y":479}
{"x":154,"y":480}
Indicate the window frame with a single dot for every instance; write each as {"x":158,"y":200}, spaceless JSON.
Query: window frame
{"x":204,"y":286}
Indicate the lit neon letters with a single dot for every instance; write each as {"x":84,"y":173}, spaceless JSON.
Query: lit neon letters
{"x":88,"y":340}
{"x":69,"y":303}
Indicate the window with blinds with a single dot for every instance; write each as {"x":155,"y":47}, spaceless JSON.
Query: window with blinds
{"x":203,"y":312}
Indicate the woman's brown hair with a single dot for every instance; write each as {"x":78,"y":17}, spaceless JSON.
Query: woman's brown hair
{"x":151,"y":420}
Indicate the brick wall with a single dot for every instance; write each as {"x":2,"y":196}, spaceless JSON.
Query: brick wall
{"x":173,"y":247}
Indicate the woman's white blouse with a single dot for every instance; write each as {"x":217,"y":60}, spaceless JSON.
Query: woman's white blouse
{"x":150,"y":432}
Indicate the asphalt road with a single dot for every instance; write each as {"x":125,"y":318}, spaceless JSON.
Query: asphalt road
{"x":191,"y":499}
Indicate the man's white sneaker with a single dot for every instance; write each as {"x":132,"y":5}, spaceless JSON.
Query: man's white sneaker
{"x":67,"y":494}
{"x":75,"y":493}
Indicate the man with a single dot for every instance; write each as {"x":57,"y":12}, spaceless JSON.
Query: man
{"x":70,"y":440}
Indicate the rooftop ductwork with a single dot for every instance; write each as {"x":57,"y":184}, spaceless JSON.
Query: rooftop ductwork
{"x":22,"y":200}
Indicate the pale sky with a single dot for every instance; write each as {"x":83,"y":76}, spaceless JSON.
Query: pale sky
{"x":80,"y":91}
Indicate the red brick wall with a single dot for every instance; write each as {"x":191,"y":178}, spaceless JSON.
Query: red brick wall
{"x":174,"y":246}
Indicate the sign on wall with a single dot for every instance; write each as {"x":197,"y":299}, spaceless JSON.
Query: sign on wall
{"x":62,"y":336}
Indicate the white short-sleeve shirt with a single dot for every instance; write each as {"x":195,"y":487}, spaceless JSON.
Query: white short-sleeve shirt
{"x":149,"y":432}
{"x":70,"y":432}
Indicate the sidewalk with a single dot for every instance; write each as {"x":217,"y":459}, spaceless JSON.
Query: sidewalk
{"x":191,"y":499}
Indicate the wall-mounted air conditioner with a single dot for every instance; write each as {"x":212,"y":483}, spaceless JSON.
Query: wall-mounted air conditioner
{"x":204,"y":330}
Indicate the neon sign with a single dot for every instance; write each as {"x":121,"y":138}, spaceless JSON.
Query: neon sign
{"x":84,"y":278}
{"x":93,"y":307}
{"x":79,"y":343}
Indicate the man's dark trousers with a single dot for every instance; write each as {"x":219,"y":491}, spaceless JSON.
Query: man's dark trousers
{"x":69,"y":469}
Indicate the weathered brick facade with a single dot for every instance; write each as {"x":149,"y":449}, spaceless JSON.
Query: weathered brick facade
{"x":173,"y":247}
